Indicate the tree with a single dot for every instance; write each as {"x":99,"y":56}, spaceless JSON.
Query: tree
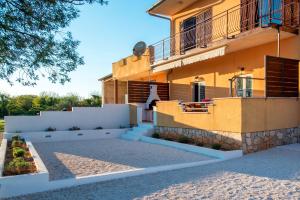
{"x":32,"y":43}
{"x":4,"y":100}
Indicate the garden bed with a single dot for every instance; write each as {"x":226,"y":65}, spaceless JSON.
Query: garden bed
{"x":187,"y":140}
{"x":18,"y":159}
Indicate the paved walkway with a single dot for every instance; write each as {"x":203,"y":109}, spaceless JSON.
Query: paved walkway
{"x":272,"y":174}
{"x":90,"y":157}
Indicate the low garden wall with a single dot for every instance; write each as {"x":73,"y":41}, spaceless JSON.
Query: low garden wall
{"x":251,"y":124}
{"x":56,"y":136}
{"x":107,"y":117}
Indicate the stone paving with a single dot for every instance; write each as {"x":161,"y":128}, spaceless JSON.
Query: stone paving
{"x":90,"y":157}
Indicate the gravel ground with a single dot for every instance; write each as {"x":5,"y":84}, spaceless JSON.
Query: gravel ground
{"x":272,"y":174}
{"x":89,"y":157}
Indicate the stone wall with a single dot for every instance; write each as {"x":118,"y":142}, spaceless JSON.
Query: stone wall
{"x":258,"y":141}
{"x":248,"y":142}
{"x":228,"y":140}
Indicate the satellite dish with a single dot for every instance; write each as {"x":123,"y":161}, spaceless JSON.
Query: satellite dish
{"x":139,"y":49}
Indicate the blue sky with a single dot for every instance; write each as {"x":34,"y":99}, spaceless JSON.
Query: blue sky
{"x":107,"y":34}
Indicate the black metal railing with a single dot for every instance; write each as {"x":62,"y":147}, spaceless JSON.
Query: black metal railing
{"x":227,"y":25}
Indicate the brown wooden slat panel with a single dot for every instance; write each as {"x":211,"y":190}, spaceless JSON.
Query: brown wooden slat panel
{"x":138,"y":91}
{"x":282,"y":77}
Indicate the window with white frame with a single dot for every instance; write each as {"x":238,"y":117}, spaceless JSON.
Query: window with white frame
{"x":244,"y":86}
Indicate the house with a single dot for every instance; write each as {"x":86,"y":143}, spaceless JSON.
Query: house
{"x":228,"y":73}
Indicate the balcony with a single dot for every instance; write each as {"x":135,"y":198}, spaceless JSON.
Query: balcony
{"x":256,"y":19}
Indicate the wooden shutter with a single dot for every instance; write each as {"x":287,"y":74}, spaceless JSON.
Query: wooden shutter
{"x":249,"y":14}
{"x":290,"y":13}
{"x":282,"y":77}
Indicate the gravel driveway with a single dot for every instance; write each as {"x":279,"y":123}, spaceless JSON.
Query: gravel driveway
{"x":272,"y":174}
{"x":90,"y":157}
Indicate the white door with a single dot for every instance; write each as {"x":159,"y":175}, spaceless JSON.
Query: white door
{"x":244,"y":86}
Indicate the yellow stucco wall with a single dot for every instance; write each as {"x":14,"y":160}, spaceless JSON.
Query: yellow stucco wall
{"x":237,"y":115}
{"x":225,"y":115}
{"x":131,"y":66}
{"x":269,"y":114}
{"x":217,"y":72}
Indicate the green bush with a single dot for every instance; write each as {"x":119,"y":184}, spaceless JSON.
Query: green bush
{"x":18,"y":152}
{"x":18,"y":163}
{"x":183,"y":139}
{"x":50,"y":129}
{"x":155,"y":135}
{"x":216,"y":146}
{"x":98,"y":128}
{"x":200,"y":144}
{"x":17,"y":143}
{"x":74,"y":128}
{"x":16,"y":138}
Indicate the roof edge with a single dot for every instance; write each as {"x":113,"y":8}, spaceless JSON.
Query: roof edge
{"x":105,"y":77}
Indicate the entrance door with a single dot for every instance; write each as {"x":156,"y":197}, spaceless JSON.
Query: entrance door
{"x":244,"y":86}
{"x":198,"y":91}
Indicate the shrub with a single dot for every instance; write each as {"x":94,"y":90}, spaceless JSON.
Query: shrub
{"x":17,"y":165}
{"x":17,"y":143}
{"x":200,"y":144}
{"x":50,"y":129}
{"x":183,"y":139}
{"x":155,"y":135}
{"x":216,"y":146}
{"x":18,"y":152}
{"x":74,"y":128}
{"x":16,"y":138}
{"x":98,"y":128}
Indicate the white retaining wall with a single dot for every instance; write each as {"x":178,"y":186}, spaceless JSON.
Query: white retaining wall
{"x":56,"y":136}
{"x":110,"y":116}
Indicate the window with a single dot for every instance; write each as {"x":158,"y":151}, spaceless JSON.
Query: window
{"x":189,"y":34}
{"x":198,"y":91}
{"x":244,"y":86}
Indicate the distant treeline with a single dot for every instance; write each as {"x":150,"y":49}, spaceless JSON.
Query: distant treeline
{"x":33,"y":104}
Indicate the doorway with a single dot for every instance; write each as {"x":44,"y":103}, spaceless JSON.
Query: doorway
{"x":198,"y":91}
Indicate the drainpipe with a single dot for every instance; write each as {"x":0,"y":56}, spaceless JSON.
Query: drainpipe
{"x":278,"y":41}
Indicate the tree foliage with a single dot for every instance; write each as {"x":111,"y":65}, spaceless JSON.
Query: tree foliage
{"x":32,"y":43}
{"x":32,"y":104}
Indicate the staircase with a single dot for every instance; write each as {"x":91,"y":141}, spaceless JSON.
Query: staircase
{"x":144,"y":129}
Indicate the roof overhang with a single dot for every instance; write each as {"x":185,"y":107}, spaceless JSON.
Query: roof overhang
{"x":169,"y":7}
{"x":104,"y":78}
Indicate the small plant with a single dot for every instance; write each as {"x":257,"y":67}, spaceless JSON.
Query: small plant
{"x":18,"y":131}
{"x":122,"y":127}
{"x":50,"y":129}
{"x":200,"y":144}
{"x":18,"y":152}
{"x":74,"y":128}
{"x":17,"y":143}
{"x":98,"y":128}
{"x":16,"y":138}
{"x":183,"y":139}
{"x":216,"y":146}
{"x":18,"y":166}
{"x":155,"y":135}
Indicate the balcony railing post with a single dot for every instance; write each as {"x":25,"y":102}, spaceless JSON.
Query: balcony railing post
{"x":227,"y":17}
{"x":163,"y":49}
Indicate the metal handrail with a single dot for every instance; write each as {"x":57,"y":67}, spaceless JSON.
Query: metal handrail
{"x":225,"y":25}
